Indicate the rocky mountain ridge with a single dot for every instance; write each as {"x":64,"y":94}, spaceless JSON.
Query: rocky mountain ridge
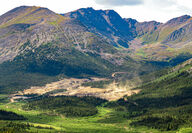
{"x":34,"y":26}
{"x":85,"y":28}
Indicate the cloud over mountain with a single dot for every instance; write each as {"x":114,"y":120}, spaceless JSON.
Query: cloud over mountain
{"x":119,"y":2}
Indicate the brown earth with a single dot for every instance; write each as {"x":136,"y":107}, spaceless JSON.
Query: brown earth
{"x":73,"y":87}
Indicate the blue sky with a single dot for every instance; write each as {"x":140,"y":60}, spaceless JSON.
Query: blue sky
{"x":142,"y":10}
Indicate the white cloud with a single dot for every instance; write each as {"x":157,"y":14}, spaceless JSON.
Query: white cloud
{"x":119,"y":2}
{"x":159,"y":10}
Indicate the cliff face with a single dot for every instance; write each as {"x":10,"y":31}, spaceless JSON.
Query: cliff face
{"x":164,"y":31}
{"x":119,"y":31}
{"x":105,"y":23}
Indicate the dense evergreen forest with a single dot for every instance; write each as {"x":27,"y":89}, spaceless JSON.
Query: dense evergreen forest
{"x":164,"y":104}
{"x":69,"y":106}
{"x":5,"y":115}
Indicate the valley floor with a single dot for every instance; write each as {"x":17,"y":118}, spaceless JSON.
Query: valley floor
{"x":105,"y":121}
{"x":163,"y":105}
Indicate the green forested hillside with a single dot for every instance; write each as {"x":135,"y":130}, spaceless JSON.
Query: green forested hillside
{"x":49,"y":63}
{"x":165,"y":103}
{"x":4,"y":115}
{"x":68,"y":106}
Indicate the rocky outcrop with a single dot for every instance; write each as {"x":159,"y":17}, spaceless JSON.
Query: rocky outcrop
{"x":105,"y":23}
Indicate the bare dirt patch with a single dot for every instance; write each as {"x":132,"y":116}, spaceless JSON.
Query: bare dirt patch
{"x":73,"y":87}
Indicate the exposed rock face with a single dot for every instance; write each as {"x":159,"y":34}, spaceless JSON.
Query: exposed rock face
{"x":178,"y":20}
{"x":182,"y":34}
{"x":174,"y":26}
{"x":162,"y":42}
{"x":124,"y":32}
{"x":87,"y":30}
{"x":26,"y":28}
{"x":142,"y":28}
{"x":105,"y":23}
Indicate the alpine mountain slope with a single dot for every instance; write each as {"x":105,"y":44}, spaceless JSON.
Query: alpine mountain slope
{"x":93,"y":71}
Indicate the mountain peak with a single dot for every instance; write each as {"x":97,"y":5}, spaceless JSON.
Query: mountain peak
{"x":24,"y":8}
{"x":30,"y":15}
{"x":179,"y":20}
{"x":131,"y":21}
{"x":107,"y":23}
{"x":91,"y":10}
{"x":110,"y":11}
{"x":85,"y":9}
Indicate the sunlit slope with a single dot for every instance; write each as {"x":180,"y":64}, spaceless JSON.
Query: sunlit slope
{"x":164,"y":103}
